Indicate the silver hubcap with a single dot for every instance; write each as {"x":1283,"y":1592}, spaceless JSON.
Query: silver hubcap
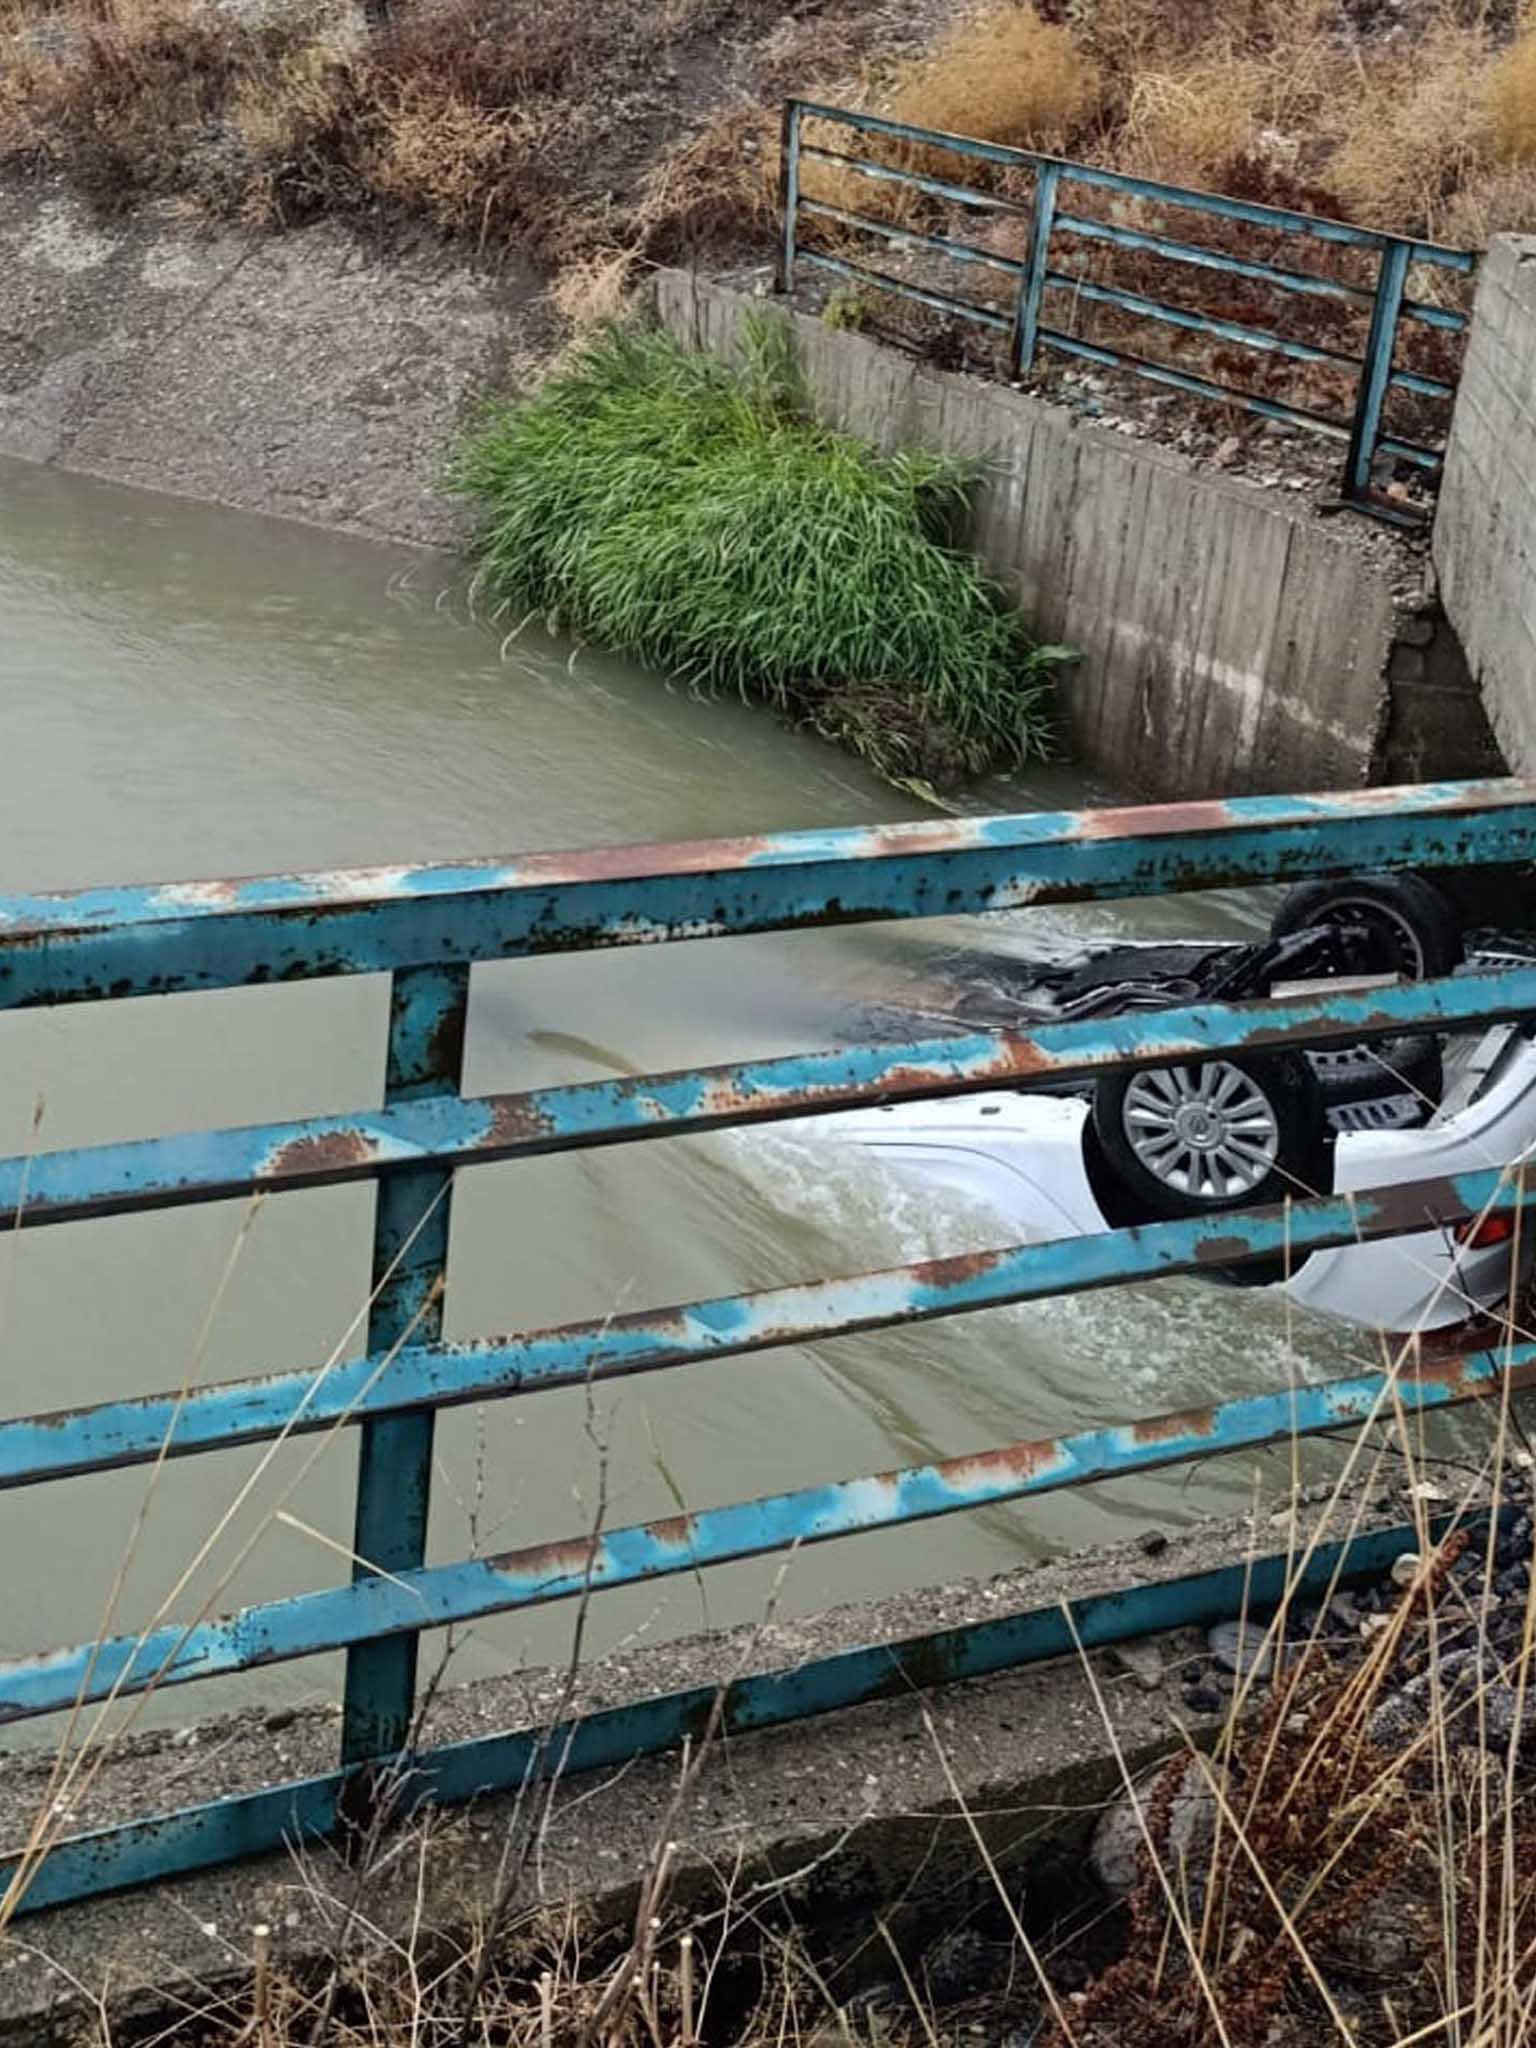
{"x":1207,"y":1131}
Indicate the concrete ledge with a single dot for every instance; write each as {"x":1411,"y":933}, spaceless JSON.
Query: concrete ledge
{"x":860,"y":1802}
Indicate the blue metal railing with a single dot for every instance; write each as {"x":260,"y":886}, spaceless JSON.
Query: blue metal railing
{"x":427,"y":927}
{"x":1374,"y":371}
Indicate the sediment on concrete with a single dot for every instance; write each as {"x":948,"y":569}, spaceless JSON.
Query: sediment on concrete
{"x":852,"y":1814}
{"x":1228,"y":641}
{"x":318,"y":374}
{"x":1485,"y":524}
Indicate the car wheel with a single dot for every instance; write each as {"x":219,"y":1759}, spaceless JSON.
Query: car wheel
{"x":1409,"y":929}
{"x":1408,"y":926}
{"x":1222,"y":1134}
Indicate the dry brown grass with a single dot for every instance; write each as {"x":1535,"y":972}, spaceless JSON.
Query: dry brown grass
{"x":1416,"y":130}
{"x":1512,"y":99}
{"x":552,"y":131}
{"x":1005,"y":75}
{"x":516,"y":126}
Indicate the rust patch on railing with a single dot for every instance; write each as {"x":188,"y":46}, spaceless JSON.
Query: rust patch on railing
{"x":326,"y":1152}
{"x":1162,"y":1429}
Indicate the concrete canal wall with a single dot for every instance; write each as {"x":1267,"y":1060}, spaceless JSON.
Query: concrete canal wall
{"x":1485,"y":528}
{"x":1230,"y":640}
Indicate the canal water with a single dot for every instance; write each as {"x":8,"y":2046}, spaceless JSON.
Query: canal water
{"x":186,"y":692}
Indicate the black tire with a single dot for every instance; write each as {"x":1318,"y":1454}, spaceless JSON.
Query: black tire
{"x":1420,"y":938}
{"x":1275,"y":1112}
{"x":1418,"y":932}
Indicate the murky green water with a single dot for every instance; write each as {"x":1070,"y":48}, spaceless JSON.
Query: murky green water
{"x":187,"y":693}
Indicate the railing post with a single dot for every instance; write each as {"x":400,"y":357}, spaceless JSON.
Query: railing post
{"x":1026,"y":315}
{"x":789,"y":195}
{"x":394,"y":1475}
{"x":1380,"y":342}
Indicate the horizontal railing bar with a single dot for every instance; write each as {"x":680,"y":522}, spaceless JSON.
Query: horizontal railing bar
{"x":1199,"y":323}
{"x":1252,"y":214}
{"x":1212,"y":259}
{"x":1238,"y":331}
{"x":440,"y":1595}
{"x":132,"y":1431}
{"x":251,"y":1823}
{"x":910,"y":238}
{"x":106,"y":943}
{"x":1432,"y":316}
{"x":902,"y":131}
{"x":1422,"y":387}
{"x":1410,"y":451}
{"x":925,"y":295}
{"x":936,"y":188}
{"x":37,"y":1189}
{"x":1202,"y":387}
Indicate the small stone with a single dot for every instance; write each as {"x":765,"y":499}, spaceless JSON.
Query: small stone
{"x":1278,"y":430}
{"x":1240,"y":1646}
{"x":279,"y":1719}
{"x":1398,"y":1719}
{"x":1227,"y":451}
{"x":1405,"y":1569}
{"x":1142,"y":1661}
{"x":184,"y":1738}
{"x":1202,"y":1699}
{"x":1118,"y":1850}
{"x":1153,"y":1543}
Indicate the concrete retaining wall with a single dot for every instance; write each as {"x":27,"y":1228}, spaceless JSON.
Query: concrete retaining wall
{"x":1230,"y":641}
{"x":1485,"y":528}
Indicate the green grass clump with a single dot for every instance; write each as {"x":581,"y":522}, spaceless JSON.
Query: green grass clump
{"x":699,"y":519}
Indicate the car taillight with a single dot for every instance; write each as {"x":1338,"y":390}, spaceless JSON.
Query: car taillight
{"x":1478,"y":1233}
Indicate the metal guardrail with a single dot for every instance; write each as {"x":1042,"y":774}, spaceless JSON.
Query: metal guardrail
{"x":1025,"y":323}
{"x":426,"y":927}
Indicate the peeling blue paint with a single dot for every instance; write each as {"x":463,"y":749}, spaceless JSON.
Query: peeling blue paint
{"x":201,"y":1837}
{"x":427,"y":926}
{"x":436,"y":1595}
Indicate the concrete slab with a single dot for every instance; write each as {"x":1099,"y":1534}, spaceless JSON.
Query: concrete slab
{"x":858,"y":1802}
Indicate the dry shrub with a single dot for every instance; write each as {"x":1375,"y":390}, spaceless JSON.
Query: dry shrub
{"x":452,"y":159}
{"x":714,"y":187}
{"x":1501,"y":202}
{"x":1185,"y":126}
{"x":1003,"y":75}
{"x":1414,"y":129}
{"x":593,"y":290}
{"x":1512,"y":99}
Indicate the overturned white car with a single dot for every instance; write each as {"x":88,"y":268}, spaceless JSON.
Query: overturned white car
{"x":1233,"y":1132}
